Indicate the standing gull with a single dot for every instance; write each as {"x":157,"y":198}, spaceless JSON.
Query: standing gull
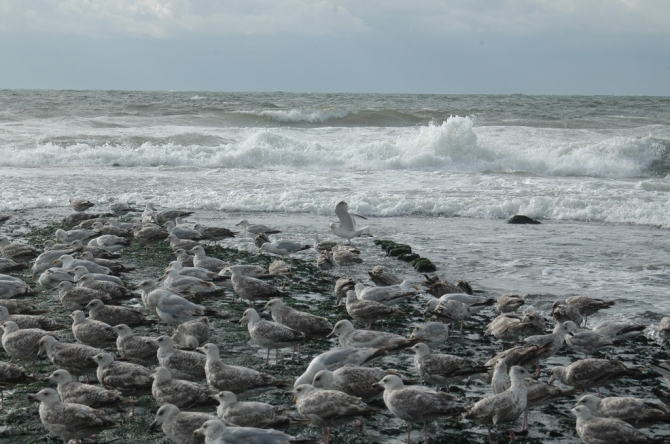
{"x":210,"y":263}
{"x":182,"y":364}
{"x":270,"y":335}
{"x":252,"y":289}
{"x":443,"y":370}
{"x":91,"y":332}
{"x":70,"y":421}
{"x":251,"y":413}
{"x":17,"y":251}
{"x":75,"y":358}
{"x":353,"y":380}
{"x":328,"y":408}
{"x":619,"y":330}
{"x":283,"y":248}
{"x":115,"y":315}
{"x":369,"y":312}
{"x":130,"y":379}
{"x":178,"y":426}
{"x":22,"y":344}
{"x":592,"y":373}
{"x":431,"y":333}
{"x":79,"y":393}
{"x":79,"y":204}
{"x":636,"y":412}
{"x":183,"y":394}
{"x":311,"y":325}
{"x":236,"y":379}
{"x":416,"y":404}
{"x":348,"y":336}
{"x":138,"y":349}
{"x":381,"y":277}
{"x":594,"y":430}
{"x":76,"y":298}
{"x":256,"y":228}
{"x":502,"y":408}
{"x":30,"y":321}
{"x":346,"y":229}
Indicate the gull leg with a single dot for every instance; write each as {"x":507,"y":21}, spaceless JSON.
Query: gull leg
{"x":276,"y":356}
{"x":425,"y":432}
{"x":409,"y":432}
{"x":267,"y":357}
{"x":525,"y":421}
{"x":2,"y":399}
{"x":34,"y":371}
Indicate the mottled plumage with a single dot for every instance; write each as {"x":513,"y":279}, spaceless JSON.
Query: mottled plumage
{"x":182,"y":364}
{"x":79,"y":393}
{"x":183,"y":394}
{"x":75,"y":358}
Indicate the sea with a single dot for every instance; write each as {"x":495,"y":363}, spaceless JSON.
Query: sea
{"x":441,"y":173}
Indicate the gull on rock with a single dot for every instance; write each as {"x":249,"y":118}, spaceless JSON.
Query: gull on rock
{"x":346,"y":228}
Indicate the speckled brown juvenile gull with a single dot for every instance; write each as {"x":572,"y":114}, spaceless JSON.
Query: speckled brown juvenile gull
{"x":81,"y":271}
{"x":251,"y":413}
{"x":442,"y":370}
{"x":113,"y":289}
{"x":198,"y":328}
{"x":417,"y":404}
{"x":75,"y":358}
{"x":252,"y":289}
{"x":114,"y":314}
{"x":79,"y":204}
{"x":179,"y":426}
{"x":348,"y":336}
{"x":70,"y":421}
{"x":636,"y":412}
{"x":79,"y":393}
{"x":91,"y":332}
{"x":76,"y":298}
{"x":182,"y":364}
{"x":236,"y":379}
{"x":328,"y":408}
{"x":128,"y":378}
{"x":503,"y":408}
{"x":30,"y":321}
{"x":69,"y":263}
{"x":183,"y":394}
{"x":138,"y":349}
{"x":369,"y":312}
{"x":256,"y":228}
{"x":22,"y":344}
{"x":509,"y":303}
{"x":592,"y":373}
{"x":270,"y":335}
{"x":10,"y":375}
{"x":382,"y":277}
{"x":17,"y":251}
{"x":594,"y":430}
{"x":7,"y":265}
{"x":352,"y":380}
{"x":18,"y":306}
{"x":311,"y":325}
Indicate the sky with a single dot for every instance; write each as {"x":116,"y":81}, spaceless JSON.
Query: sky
{"x":591,"y":47}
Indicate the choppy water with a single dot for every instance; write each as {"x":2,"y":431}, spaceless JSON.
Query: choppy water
{"x":596,"y":170}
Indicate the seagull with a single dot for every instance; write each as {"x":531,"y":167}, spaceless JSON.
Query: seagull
{"x":283,"y":248}
{"x":216,"y":432}
{"x":328,"y":408}
{"x":594,"y":430}
{"x":257,"y":228}
{"x":79,"y":393}
{"x":346,"y":229}
{"x":252,"y":413}
{"x":167,"y":390}
{"x":70,"y":421}
{"x":270,"y":335}
{"x":79,"y":204}
{"x":178,"y":426}
{"x":636,"y":412}
{"x":416,"y":403}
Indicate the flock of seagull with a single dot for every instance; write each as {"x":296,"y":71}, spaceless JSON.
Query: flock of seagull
{"x":337,"y":385}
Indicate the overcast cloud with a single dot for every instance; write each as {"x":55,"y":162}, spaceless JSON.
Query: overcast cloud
{"x":473,"y":46}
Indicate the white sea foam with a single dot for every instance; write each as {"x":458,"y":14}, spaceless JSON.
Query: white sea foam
{"x":301,"y":115}
{"x":456,"y":145}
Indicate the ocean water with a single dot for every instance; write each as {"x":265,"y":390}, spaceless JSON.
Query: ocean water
{"x":441,"y":173}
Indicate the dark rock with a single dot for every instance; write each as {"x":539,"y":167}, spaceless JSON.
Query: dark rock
{"x":521,"y":219}
{"x":423,"y":265}
{"x":409,"y":257}
{"x":399,"y":249}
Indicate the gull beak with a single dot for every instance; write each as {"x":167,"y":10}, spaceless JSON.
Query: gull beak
{"x":331,"y":334}
{"x":153,"y":426}
{"x":33,"y":398}
{"x":416,"y":287}
{"x":376,"y":385}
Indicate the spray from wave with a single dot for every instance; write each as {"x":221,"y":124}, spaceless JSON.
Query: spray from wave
{"x":455,"y":145}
